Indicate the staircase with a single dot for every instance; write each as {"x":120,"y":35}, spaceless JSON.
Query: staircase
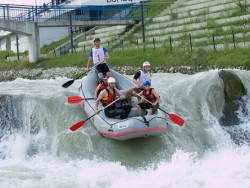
{"x":197,"y":24}
{"x":106,"y":34}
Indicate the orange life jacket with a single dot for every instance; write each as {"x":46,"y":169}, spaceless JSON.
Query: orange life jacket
{"x":150,"y":95}
{"x":110,"y":98}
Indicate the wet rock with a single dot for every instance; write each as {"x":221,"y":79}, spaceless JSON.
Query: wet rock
{"x":233,"y":90}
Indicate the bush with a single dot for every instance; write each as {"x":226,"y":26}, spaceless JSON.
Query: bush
{"x":4,"y":54}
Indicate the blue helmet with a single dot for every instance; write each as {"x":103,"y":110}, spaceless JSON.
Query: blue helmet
{"x":147,"y":83}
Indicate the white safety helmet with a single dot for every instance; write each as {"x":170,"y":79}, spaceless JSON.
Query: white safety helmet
{"x":146,"y":63}
{"x":111,"y":80}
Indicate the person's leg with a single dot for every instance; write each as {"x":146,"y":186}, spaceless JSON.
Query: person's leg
{"x":150,"y":111}
{"x":105,"y":70}
{"x":129,"y":93}
{"x":124,"y":108}
{"x":146,"y":106}
{"x":108,"y":74}
{"x":154,"y":108}
{"x":111,"y":113}
{"x":100,"y":75}
{"x":98,"y":70}
{"x":138,"y":110}
{"x":127,"y":109}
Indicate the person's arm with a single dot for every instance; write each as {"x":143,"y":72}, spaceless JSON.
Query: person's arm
{"x":96,"y":90}
{"x":136,"y":76}
{"x":106,"y":54}
{"x":157,"y":98}
{"x":90,"y":59}
{"x":99,"y":98}
{"x":122,"y":97}
{"x":141,"y":100}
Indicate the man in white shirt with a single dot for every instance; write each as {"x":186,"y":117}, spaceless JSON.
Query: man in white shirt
{"x":99,"y":55}
{"x":139,"y":78}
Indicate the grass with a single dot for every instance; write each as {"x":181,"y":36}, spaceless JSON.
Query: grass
{"x":161,"y":58}
{"x":157,"y":6}
{"x":47,"y":48}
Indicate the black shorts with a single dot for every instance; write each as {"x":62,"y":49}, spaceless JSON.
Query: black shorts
{"x":103,"y":68}
{"x":149,"y":106}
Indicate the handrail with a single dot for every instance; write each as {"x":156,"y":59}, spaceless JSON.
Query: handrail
{"x":60,"y":13}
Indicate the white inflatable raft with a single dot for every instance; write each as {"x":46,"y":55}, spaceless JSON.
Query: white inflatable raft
{"x":132,"y":127}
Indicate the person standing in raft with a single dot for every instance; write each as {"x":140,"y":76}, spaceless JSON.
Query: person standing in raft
{"x":99,"y":55}
{"x":109,"y":95}
{"x":101,"y":85}
{"x":139,"y":78}
{"x":149,"y":100}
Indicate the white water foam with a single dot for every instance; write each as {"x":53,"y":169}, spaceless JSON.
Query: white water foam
{"x":224,"y":168}
{"x":208,"y":158}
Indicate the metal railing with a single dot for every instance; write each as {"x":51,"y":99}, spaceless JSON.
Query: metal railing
{"x":61,"y":13}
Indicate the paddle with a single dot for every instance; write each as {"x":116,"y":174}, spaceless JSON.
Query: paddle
{"x":76,"y":99}
{"x":68,"y":83}
{"x":81,"y":123}
{"x":176,"y":119}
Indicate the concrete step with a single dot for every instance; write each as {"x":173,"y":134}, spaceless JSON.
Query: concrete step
{"x":218,"y":46}
{"x":103,"y":40}
{"x":195,"y":41}
{"x":87,"y":48}
{"x":107,"y":35}
{"x":108,"y":29}
{"x":167,"y":20}
{"x":203,"y":6}
{"x":196,"y":33}
{"x":193,"y":26}
{"x":103,"y":35}
{"x":192,"y":2}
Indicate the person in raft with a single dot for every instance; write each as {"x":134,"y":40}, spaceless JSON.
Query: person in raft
{"x":149,"y":100}
{"x":109,"y":95}
{"x":99,"y":55}
{"x":101,"y":85}
{"x":139,"y":78}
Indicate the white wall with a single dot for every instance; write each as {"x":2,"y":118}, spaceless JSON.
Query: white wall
{"x":51,"y":34}
{"x":47,"y":36}
{"x":22,"y":41}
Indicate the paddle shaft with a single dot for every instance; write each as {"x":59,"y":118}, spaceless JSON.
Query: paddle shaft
{"x":81,"y":123}
{"x":70,"y":82}
{"x":87,"y":71}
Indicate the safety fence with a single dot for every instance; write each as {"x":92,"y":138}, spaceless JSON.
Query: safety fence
{"x":61,"y":13}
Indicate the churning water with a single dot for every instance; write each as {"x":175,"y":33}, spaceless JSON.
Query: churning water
{"x":37,"y":149}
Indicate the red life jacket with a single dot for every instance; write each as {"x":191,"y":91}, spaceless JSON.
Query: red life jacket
{"x":110,"y":98}
{"x":103,"y":86}
{"x":150,"y":95}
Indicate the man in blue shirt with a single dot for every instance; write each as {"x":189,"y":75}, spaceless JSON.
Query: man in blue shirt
{"x":99,"y":55}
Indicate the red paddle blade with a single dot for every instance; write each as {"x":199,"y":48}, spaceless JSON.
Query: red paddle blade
{"x":77,"y":125}
{"x":176,"y":119}
{"x":74,"y":99}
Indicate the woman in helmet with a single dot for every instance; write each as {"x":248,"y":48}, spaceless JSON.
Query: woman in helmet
{"x":139,"y":78}
{"x":109,"y":95}
{"x":149,"y":100}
